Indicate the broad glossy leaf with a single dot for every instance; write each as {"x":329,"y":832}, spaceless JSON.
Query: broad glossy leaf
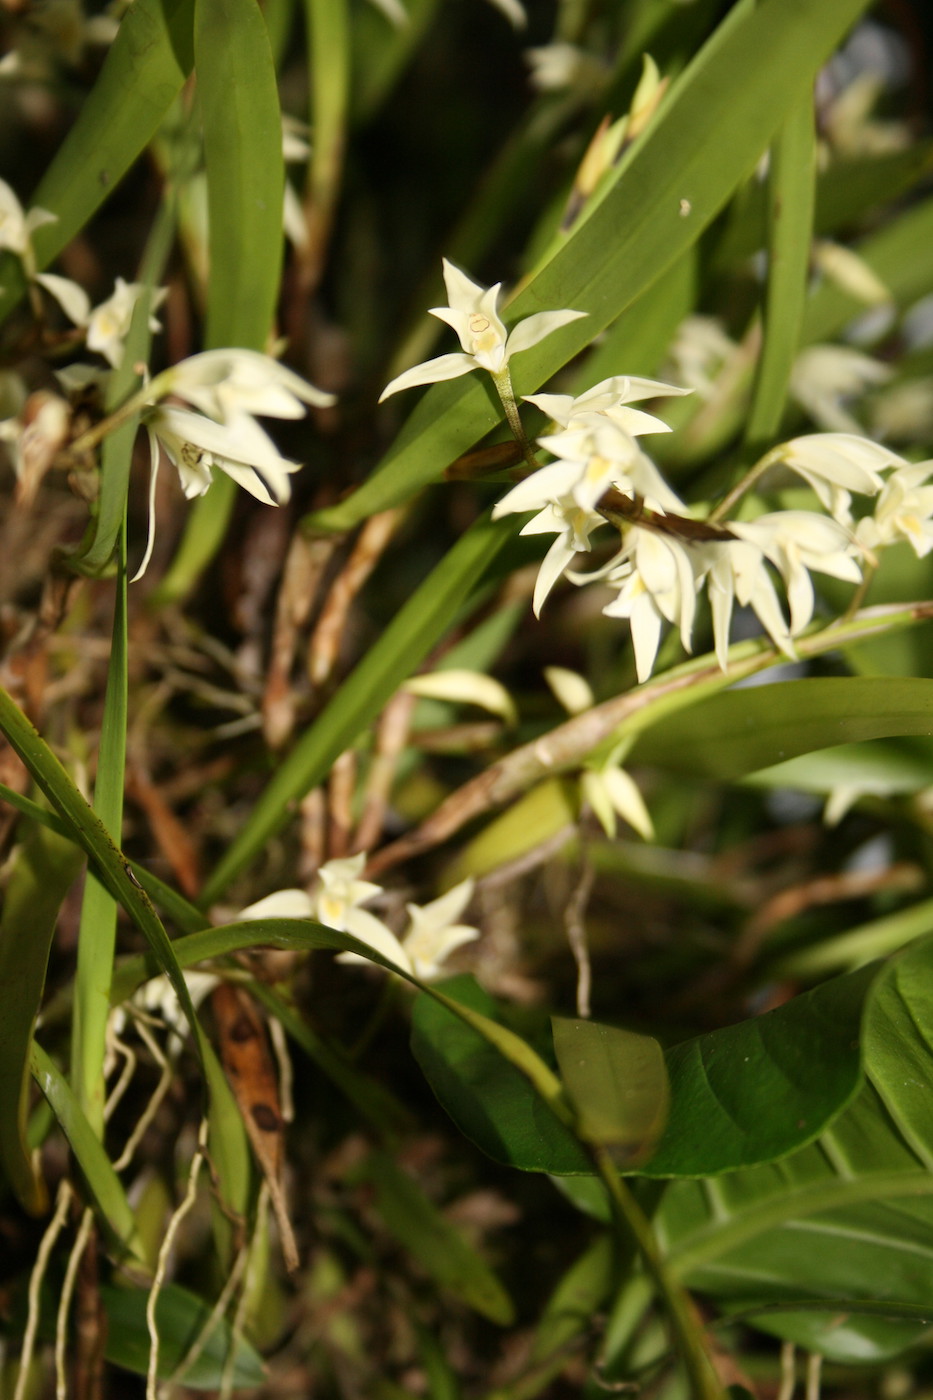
{"x":847,"y":1219}
{"x":875,"y":767}
{"x":434,"y":1242}
{"x":741,"y":1095}
{"x":44,"y":870}
{"x":747,"y":1093}
{"x":618,"y":1084}
{"x":489,"y":1100}
{"x":740,"y":731}
{"x":180,"y":1317}
{"x":899,"y":1044}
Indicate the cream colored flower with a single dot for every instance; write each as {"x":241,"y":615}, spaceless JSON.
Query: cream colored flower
{"x":226,"y":384}
{"x":825,"y":376}
{"x":657,"y":586}
{"x":904,"y":511}
{"x":835,"y":465}
{"x":472,"y":311}
{"x":109,"y":323}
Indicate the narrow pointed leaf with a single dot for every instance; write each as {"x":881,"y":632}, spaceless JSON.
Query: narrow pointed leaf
{"x":102,"y":1182}
{"x":45,"y":870}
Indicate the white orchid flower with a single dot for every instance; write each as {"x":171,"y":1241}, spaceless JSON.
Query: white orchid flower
{"x":608,"y":789}
{"x":573,"y":527}
{"x":734,"y":571}
{"x":159,"y":998}
{"x":17,"y":227}
{"x":797,"y":541}
{"x":433,"y":933}
{"x":612,"y":793}
{"x":824,"y":376}
{"x":904,"y":511}
{"x":109,"y":323}
{"x":337,"y":901}
{"x":611,"y":397}
{"x":836,"y":464}
{"x":658,"y":585}
{"x":473,"y":313}
{"x":196,"y":445}
{"x":226,"y":384}
{"x":282,"y":904}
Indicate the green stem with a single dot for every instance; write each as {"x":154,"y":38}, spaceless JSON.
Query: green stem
{"x":747,"y":482}
{"x":630,"y":1220}
{"x":503,"y":382}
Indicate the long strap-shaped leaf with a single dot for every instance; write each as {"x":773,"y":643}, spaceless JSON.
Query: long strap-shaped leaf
{"x":242,"y":120}
{"x":45,"y":868}
{"x":91,"y":835}
{"x":97,"y":931}
{"x":790,"y":230}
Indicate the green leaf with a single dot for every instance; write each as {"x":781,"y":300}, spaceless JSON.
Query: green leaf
{"x":730,"y":101}
{"x":439,"y":1248}
{"x":423,"y":620}
{"x":144,"y":70}
{"x":97,"y":930}
{"x":848,"y":1218}
{"x":91,"y":835}
{"x":489,"y":1100}
{"x":741,"y":731}
{"x":741,"y":1095}
{"x":617,"y":1083}
{"x":103,"y":1185}
{"x":747,"y":1093}
{"x":245,"y":172}
{"x":242,"y":120}
{"x":180,"y":1318}
{"x":790,"y":231}
{"x":899,"y":1044}
{"x":44,"y":871}
{"x":577,"y":1299}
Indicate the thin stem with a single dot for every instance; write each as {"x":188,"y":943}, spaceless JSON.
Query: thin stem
{"x":739,"y":490}
{"x":687,"y":1333}
{"x":503,"y":382}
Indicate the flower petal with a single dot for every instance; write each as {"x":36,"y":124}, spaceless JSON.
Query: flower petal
{"x":534,"y":329}
{"x":431,"y":372}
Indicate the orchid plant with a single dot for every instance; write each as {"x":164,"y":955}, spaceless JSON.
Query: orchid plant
{"x":560,"y":737}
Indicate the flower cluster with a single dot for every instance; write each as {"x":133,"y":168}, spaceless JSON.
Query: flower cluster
{"x":433,"y":930}
{"x":599,"y":475}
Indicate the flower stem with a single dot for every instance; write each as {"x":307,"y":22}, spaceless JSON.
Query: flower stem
{"x":503,"y":382}
{"x":739,"y":490}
